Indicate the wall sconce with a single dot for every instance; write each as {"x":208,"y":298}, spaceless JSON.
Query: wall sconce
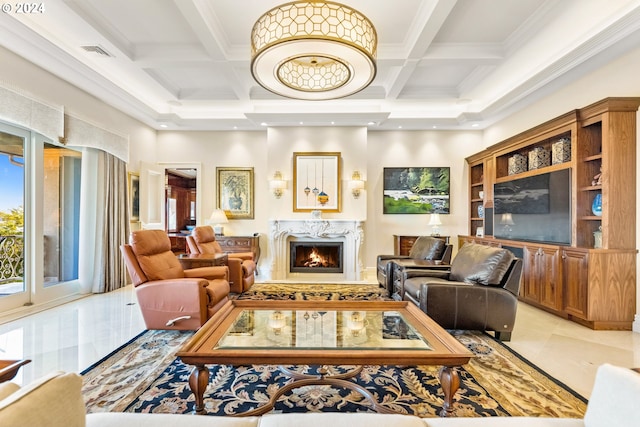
{"x":435,"y":223}
{"x":218,"y":217}
{"x":356,"y":323}
{"x":277,"y":184}
{"x":277,"y":322}
{"x":356,"y":184}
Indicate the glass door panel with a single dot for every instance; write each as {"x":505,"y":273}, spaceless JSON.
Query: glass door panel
{"x":12,"y":195}
{"x":62,"y":213}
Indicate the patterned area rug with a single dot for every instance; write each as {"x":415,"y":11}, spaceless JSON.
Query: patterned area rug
{"x":315,"y":291}
{"x":145,"y":376}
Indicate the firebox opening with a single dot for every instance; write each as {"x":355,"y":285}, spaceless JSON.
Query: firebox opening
{"x":315,"y":257}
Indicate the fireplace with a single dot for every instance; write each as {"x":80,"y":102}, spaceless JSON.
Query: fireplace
{"x":315,"y":257}
{"x":349,"y":233}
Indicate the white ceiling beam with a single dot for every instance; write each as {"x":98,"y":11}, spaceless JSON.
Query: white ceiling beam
{"x":205,"y":23}
{"x":432,"y":15}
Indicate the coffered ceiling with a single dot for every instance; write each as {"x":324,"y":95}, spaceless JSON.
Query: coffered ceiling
{"x":445,"y":64}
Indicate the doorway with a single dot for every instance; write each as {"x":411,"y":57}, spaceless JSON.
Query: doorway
{"x":181,"y":200}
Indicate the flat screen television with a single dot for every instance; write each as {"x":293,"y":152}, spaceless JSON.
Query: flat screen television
{"x":536,"y":208}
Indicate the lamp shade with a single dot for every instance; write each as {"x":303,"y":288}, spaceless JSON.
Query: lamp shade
{"x":218,"y":217}
{"x":435,"y":219}
{"x":506,"y":219}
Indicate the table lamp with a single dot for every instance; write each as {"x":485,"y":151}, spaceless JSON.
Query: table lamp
{"x":218,"y":218}
{"x":435,"y":223}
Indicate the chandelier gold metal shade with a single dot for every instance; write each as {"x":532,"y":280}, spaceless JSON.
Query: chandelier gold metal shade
{"x":313,"y":50}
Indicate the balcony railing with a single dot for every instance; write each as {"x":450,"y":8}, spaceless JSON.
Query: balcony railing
{"x":11,"y":259}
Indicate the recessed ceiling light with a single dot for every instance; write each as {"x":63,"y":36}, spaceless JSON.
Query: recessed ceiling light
{"x":371,"y":123}
{"x":301,"y":123}
{"x":435,"y":127}
{"x":163,"y":125}
{"x":235,"y":127}
{"x":263,"y":124}
{"x":333,"y":123}
{"x":475,"y":125}
{"x":399,"y":127}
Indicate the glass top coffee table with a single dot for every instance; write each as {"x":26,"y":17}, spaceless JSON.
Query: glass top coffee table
{"x":322,"y":333}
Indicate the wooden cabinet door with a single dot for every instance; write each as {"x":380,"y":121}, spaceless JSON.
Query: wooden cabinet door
{"x":549,"y":276}
{"x":541,"y":276}
{"x":575,"y":272}
{"x":530,"y":280}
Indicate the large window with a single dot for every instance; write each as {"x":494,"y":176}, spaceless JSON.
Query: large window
{"x":11,"y":214}
{"x":39,"y":218}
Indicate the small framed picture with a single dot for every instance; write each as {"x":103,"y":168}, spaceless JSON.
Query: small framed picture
{"x":235,"y":192}
{"x":480,"y":232}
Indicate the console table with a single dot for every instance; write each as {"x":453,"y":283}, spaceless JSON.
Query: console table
{"x":235,"y":244}
{"x":189,"y":261}
{"x":402,"y":244}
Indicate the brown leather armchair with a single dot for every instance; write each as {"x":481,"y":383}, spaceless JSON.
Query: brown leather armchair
{"x":479,"y":292}
{"x":170,"y":297}
{"x":242,"y":266}
{"x":425,"y":247}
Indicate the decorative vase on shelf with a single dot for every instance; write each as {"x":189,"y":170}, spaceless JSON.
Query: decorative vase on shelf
{"x":480,"y":211}
{"x":596,"y":207}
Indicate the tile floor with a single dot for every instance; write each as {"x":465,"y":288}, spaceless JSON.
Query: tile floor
{"x":73,"y":336}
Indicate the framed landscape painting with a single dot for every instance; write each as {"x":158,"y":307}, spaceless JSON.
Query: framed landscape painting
{"x":416,"y":190}
{"x":235,"y":192}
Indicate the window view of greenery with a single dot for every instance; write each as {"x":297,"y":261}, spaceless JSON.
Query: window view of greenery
{"x":11,"y":214}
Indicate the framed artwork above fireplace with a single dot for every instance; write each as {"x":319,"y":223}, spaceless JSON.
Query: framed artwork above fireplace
{"x":316,"y":182}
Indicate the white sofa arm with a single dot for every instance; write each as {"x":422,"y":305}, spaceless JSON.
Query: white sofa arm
{"x":615,"y":399}
{"x":336,"y":419}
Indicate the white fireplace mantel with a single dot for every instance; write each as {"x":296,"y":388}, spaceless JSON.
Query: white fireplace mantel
{"x":348,"y":231}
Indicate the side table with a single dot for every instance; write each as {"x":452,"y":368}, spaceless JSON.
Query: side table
{"x":202,"y":260}
{"x":401,"y":264}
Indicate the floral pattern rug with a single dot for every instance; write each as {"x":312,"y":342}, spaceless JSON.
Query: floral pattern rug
{"x":145,"y":376}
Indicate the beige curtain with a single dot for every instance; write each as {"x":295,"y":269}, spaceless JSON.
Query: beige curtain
{"x":116,"y":226}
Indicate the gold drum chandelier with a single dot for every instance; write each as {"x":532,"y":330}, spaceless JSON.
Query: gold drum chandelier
{"x":313,"y":50}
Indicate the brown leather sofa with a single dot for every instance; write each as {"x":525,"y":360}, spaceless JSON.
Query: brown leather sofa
{"x":425,"y":247}
{"x":242,"y":266}
{"x":170,"y":297}
{"x":479,"y":292}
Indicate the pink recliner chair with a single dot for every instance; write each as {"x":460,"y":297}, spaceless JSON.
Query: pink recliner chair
{"x":242,"y":266}
{"x":170,"y":297}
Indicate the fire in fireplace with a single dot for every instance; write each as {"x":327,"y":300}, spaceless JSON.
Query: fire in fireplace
{"x":315,"y":257}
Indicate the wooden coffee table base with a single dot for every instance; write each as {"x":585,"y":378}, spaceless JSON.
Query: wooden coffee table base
{"x":293,"y":333}
{"x":199,"y":379}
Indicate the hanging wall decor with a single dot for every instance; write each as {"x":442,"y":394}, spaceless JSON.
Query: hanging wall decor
{"x":235,"y":192}
{"x":422,"y":190}
{"x":316,"y":182}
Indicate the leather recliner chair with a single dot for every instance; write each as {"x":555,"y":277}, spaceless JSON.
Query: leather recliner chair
{"x":479,"y":292}
{"x":170,"y":297}
{"x":425,"y":247}
{"x":242,"y":266}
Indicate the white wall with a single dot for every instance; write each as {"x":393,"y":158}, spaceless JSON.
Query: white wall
{"x":417,"y":149}
{"x":367,"y":152}
{"x":221,"y":149}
